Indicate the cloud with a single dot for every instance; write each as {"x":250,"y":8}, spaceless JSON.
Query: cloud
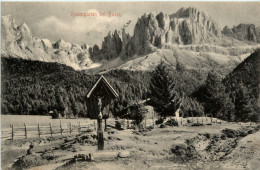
{"x":78,"y":28}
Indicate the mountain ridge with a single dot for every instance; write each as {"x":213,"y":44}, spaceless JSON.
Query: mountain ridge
{"x":189,"y":30}
{"x":18,"y":42}
{"x":243,"y":32}
{"x":152,"y":30}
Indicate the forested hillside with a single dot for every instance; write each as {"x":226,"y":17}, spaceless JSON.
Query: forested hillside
{"x":243,"y":85}
{"x":34,"y":87}
{"x":236,"y":96}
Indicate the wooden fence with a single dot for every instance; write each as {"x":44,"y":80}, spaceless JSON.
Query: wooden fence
{"x":58,"y":129}
{"x":45,"y":131}
{"x":200,"y":120}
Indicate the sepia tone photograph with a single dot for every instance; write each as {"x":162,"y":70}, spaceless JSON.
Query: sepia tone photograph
{"x":130,"y":85}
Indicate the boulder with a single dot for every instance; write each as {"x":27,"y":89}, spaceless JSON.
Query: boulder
{"x":123,"y":154}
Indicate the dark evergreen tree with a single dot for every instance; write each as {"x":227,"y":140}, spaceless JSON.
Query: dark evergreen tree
{"x":244,"y":104}
{"x":139,"y":115}
{"x":216,"y":101}
{"x":162,"y":90}
{"x":190,"y":107}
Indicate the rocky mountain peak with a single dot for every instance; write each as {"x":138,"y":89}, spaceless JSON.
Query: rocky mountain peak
{"x":61,"y":44}
{"x":111,"y":46}
{"x":25,"y":32}
{"x":190,"y":12}
{"x":243,"y":32}
{"x":186,"y":26}
{"x":85,"y":47}
{"x":155,"y":30}
{"x":8,"y":20}
{"x":163,"y":20}
{"x":20,"y":43}
{"x":23,"y":27}
{"x":47,"y":45}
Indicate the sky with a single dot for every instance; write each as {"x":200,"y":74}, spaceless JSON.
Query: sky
{"x":56,"y":20}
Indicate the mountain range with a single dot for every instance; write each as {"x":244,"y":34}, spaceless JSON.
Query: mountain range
{"x":18,"y":42}
{"x":188,"y":37}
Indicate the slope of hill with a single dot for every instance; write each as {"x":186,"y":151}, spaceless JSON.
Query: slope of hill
{"x":247,"y":71}
{"x":190,"y":57}
{"x":35,"y":87}
{"x":236,"y":97}
{"x":245,"y":79}
{"x":18,"y":42}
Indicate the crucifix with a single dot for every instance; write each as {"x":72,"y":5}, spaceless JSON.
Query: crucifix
{"x":98,"y":99}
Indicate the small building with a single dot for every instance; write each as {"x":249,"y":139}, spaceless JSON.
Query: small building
{"x":101,"y":93}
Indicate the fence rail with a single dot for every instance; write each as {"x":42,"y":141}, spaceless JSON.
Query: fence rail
{"x":44,"y":131}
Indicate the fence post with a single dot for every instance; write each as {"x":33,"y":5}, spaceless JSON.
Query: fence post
{"x":61,"y":130}
{"x":39,"y":130}
{"x":12,"y":131}
{"x":125,"y":124}
{"x":79,"y":127}
{"x":202,"y":120}
{"x":51,"y":129}
{"x":197,"y":119}
{"x":95,"y":125}
{"x":70,"y":128}
{"x":25,"y":131}
{"x":153,"y":118}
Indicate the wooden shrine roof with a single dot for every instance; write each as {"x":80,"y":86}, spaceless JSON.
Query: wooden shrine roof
{"x":100,"y":80}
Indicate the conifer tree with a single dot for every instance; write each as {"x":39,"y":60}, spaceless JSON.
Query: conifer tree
{"x":162,"y":90}
{"x":244,"y":104}
{"x":217,"y":101}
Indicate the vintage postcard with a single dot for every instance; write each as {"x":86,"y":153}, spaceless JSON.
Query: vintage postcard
{"x":130,"y":85}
